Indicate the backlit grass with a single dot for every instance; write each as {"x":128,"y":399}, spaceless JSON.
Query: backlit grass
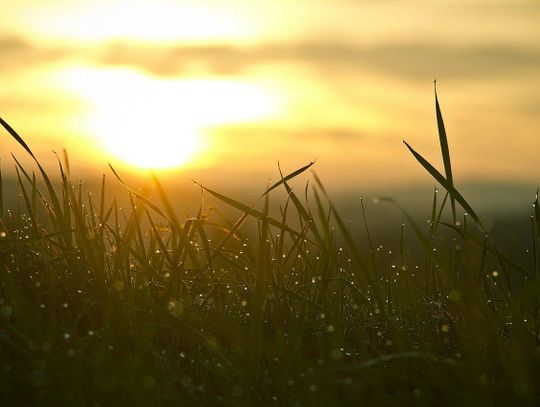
{"x":139,"y":306}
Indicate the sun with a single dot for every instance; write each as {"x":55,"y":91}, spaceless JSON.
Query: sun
{"x":147,"y":139}
{"x":149,"y":122}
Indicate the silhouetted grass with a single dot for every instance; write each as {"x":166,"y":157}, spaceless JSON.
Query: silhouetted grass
{"x":104,"y":306}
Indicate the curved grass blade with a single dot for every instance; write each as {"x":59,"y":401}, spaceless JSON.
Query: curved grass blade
{"x":491,"y":249}
{"x":288,"y":177}
{"x":248,"y":210}
{"x":303,"y":212}
{"x":182,"y":231}
{"x":142,"y":198}
{"x":14,"y":134}
{"x":444,"y":182}
{"x":48,"y":183}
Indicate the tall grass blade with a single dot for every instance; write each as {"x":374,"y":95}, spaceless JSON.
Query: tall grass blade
{"x":445,"y":151}
{"x":537,"y":214}
{"x":28,"y":203}
{"x":1,"y":193}
{"x":370,"y":241}
{"x":302,"y":211}
{"x":444,"y":182}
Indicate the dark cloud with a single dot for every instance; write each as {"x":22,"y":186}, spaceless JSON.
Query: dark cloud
{"x":17,"y":53}
{"x":410,"y":61}
{"x":425,"y":60}
{"x":11,"y":44}
{"x":407,"y":61}
{"x":265,"y":133}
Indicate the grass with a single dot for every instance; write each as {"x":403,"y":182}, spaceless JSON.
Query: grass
{"x":104,"y":306}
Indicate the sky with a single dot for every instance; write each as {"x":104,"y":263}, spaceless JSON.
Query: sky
{"x":223,"y":90}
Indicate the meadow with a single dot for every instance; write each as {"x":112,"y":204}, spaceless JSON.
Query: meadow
{"x":288,"y":303}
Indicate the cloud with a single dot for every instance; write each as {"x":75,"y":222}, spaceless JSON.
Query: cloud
{"x":408,"y":61}
{"x":424,"y":60}
{"x":17,"y":53}
{"x":239,"y":133}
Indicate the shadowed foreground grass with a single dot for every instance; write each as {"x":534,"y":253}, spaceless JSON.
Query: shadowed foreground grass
{"x":103,"y":306}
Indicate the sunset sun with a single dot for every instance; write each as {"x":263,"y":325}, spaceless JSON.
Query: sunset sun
{"x":153,"y":123}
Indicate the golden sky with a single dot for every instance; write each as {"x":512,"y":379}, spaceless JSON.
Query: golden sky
{"x":225,"y":89}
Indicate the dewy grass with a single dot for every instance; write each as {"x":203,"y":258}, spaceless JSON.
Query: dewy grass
{"x":102,"y":306}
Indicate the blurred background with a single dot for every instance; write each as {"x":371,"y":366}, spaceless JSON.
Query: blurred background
{"x":220,"y":91}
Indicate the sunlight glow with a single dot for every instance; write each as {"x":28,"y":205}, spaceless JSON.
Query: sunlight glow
{"x":156,"y":123}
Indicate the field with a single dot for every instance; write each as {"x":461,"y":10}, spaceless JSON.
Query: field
{"x":288,"y":303}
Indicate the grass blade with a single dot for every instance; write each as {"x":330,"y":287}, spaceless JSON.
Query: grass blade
{"x":537,"y":214}
{"x":142,"y":198}
{"x":14,"y":134}
{"x":288,"y":177}
{"x":249,"y":210}
{"x":1,"y":194}
{"x":445,"y":151}
{"x":444,"y":182}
